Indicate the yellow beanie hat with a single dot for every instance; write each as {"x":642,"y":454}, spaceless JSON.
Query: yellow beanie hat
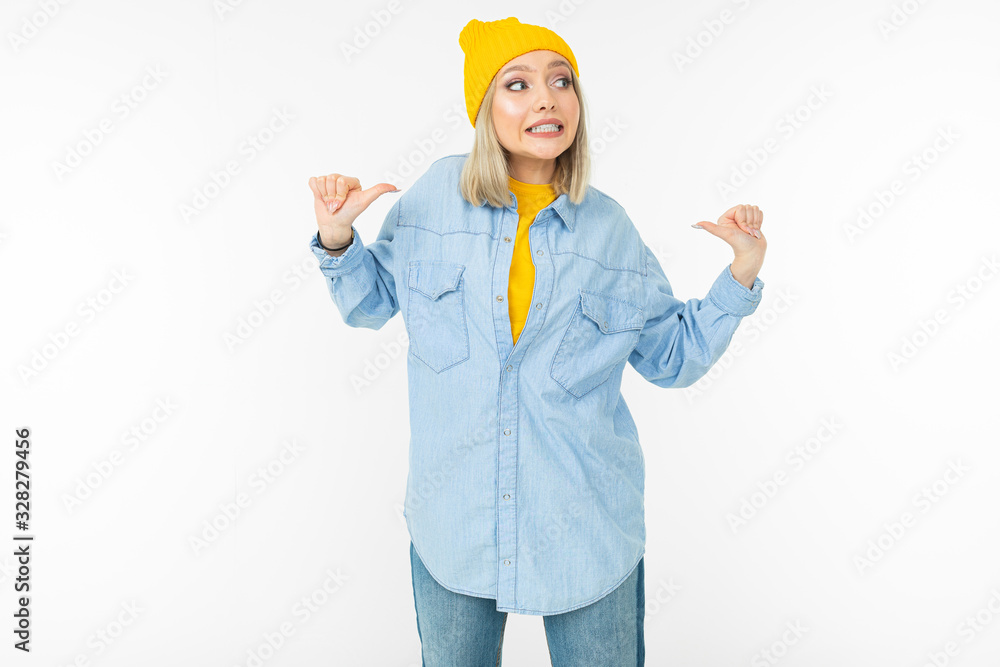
{"x":489,"y":45}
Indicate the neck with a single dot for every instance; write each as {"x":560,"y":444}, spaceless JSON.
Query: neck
{"x":532,"y":170}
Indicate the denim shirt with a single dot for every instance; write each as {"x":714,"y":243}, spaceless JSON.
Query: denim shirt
{"x":526,"y":477}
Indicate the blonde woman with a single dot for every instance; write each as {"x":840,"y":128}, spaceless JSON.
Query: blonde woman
{"x":524,"y":291}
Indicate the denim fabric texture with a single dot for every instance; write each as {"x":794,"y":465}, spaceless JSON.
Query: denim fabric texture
{"x":464,"y":631}
{"x":526,"y":476}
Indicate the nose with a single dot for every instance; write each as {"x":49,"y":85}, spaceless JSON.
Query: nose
{"x":544,"y":102}
{"x":543,"y":99}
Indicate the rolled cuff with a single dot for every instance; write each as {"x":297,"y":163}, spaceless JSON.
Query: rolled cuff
{"x":335,"y":266}
{"x":734,"y":298}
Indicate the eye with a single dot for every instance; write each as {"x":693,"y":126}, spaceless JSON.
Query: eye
{"x":569,"y":82}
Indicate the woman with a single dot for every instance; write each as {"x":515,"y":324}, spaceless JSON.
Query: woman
{"x":524,"y":292}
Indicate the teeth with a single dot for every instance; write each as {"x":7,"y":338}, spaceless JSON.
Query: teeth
{"x":544,"y":128}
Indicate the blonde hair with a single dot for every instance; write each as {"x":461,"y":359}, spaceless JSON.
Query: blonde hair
{"x":487,"y":169}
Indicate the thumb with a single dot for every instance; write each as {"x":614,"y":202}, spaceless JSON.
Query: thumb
{"x":376,"y":191}
{"x":710,"y":227}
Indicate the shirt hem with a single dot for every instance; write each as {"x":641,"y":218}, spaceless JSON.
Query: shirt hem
{"x":521,"y":610}
{"x":438,"y":579}
{"x":608,"y":591}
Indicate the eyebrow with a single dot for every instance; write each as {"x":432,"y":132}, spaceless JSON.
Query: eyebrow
{"x":525,"y":68}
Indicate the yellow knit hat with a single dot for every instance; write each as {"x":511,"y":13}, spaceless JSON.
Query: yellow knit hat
{"x":489,"y":45}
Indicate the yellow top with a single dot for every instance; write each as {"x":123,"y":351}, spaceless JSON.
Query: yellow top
{"x":531,"y":198}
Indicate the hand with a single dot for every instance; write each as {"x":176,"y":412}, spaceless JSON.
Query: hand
{"x":339,"y":200}
{"x":740,"y":228}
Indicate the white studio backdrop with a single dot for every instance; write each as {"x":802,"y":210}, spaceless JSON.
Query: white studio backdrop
{"x":218,"y":462}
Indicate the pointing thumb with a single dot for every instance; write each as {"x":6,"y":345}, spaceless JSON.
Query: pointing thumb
{"x":376,"y":191}
{"x":707,"y":226}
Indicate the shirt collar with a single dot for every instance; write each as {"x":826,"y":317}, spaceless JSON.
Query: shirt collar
{"x":565,"y":209}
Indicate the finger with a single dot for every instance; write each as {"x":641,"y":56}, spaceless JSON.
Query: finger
{"x":729,"y":214}
{"x":744,"y":218}
{"x":344,"y":185}
{"x":710,"y":227}
{"x":314,"y":186}
{"x":330,"y":187}
{"x":376,"y":191}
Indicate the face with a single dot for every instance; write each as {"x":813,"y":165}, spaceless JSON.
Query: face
{"x":535,"y":90}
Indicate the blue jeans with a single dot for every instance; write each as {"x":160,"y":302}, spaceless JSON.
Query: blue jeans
{"x":465,"y":631}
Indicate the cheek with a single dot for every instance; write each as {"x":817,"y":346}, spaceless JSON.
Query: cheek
{"x":572,"y":106}
{"x":507,"y":117}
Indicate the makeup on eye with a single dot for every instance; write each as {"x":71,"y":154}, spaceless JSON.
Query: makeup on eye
{"x":569,"y":82}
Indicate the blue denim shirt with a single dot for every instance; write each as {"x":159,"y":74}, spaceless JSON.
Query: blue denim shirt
{"x":526,"y":475}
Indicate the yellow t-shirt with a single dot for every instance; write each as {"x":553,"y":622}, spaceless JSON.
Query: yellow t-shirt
{"x":531,"y":198}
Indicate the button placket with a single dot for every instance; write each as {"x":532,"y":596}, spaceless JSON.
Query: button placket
{"x":508,"y":441}
{"x":507,"y":445}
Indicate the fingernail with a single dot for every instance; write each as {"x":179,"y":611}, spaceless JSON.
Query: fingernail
{"x":756,"y":233}
{"x":697,"y":226}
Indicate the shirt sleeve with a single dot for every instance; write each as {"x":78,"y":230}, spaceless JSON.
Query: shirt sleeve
{"x":682,"y":340}
{"x":360,"y":281}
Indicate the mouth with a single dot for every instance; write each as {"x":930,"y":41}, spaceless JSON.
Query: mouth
{"x":545,"y":130}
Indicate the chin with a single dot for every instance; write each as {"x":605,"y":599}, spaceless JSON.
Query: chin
{"x":550,"y":153}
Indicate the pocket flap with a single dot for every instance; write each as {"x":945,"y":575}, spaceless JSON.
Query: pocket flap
{"x":611,"y":314}
{"x":432,"y":278}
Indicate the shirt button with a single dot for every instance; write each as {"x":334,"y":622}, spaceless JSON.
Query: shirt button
{"x":506,"y":239}
{"x":538,"y":305}
{"x":499,"y":297}
{"x":540,"y":252}
{"x":506,"y":431}
{"x":506,"y":561}
{"x":510,"y":368}
{"x":506,"y":496}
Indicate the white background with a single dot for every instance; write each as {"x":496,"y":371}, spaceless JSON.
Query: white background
{"x":80,"y":205}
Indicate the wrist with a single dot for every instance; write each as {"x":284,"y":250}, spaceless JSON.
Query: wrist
{"x":745,"y":270}
{"x":335,"y":240}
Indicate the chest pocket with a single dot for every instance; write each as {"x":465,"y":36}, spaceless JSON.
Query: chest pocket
{"x":602,"y":333}
{"x":435,"y":313}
